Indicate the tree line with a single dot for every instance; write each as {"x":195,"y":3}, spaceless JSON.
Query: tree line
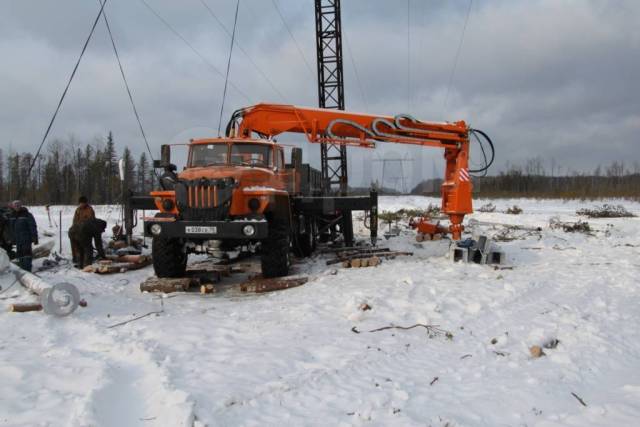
{"x":532,"y":180}
{"x":67,"y":169}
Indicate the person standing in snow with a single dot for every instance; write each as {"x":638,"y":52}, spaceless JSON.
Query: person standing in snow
{"x":25,"y":233}
{"x":81,"y":236}
{"x":83,"y":213}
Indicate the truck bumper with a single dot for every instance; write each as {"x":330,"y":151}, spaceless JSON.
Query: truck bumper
{"x":208,"y":230}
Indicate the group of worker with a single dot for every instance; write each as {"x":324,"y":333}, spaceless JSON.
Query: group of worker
{"x":18,"y":227}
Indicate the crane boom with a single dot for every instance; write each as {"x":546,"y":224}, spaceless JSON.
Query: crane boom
{"x":346,"y":128}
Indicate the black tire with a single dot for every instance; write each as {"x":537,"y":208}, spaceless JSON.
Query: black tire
{"x":274,"y":255}
{"x":305,"y":243}
{"x":169,"y":257}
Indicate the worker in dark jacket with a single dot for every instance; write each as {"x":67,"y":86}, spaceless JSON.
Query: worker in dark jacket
{"x":83,"y":212}
{"x":81,"y":236}
{"x":25,"y":233}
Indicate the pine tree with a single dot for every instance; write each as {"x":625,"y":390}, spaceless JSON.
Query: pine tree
{"x":111,"y":168}
{"x":143,"y":173}
{"x":129,"y":169}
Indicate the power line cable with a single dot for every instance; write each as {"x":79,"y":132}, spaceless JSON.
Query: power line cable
{"x":185,"y":41}
{"x":355,"y":70}
{"x":126,"y":85}
{"x":244,"y":52}
{"x":455,"y":61}
{"x":226,"y":79}
{"x":64,"y":94}
{"x":275,"y":4}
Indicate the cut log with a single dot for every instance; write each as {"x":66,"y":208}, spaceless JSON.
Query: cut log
{"x":267,"y":285}
{"x":356,"y":263}
{"x":167,"y":285}
{"x":373,"y":261}
{"x":119,"y":267}
{"x":384,"y":254}
{"x":437,"y":236}
{"x":207,"y":289}
{"x":24,"y":307}
{"x":43,"y":250}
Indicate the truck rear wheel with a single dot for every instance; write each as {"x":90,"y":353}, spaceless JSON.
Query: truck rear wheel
{"x":274,"y":256}
{"x":169,"y":257}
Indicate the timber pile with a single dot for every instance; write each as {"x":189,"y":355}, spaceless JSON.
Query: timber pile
{"x":168,"y":285}
{"x":362,"y":262}
{"x":260,"y":285}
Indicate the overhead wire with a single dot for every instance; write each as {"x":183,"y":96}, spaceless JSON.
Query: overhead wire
{"x":356,"y":73}
{"x":64,"y":94}
{"x":226,"y":79}
{"x":244,"y":52}
{"x":455,"y":61}
{"x":284,"y":21}
{"x":126,"y":85}
{"x":190,"y":46}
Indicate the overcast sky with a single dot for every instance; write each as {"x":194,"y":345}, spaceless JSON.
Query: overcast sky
{"x":549,"y":78}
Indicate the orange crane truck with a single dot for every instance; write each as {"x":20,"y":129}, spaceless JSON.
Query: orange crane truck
{"x":238,"y":191}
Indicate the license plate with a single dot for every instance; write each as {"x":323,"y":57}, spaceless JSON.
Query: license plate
{"x":197,"y":229}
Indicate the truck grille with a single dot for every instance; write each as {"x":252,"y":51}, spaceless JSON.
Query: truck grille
{"x":204,"y":199}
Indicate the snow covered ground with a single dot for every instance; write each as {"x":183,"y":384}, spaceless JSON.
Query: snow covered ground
{"x":292,"y":358}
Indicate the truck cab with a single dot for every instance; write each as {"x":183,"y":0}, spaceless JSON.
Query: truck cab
{"x":231,"y":193}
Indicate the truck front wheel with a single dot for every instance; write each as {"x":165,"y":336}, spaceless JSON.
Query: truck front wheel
{"x":169,"y":257}
{"x":274,"y":256}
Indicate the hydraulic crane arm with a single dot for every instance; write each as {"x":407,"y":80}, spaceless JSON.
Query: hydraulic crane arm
{"x":342,"y":127}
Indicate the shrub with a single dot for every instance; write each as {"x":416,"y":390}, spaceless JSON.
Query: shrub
{"x":605,"y":211}
{"x":514,"y":210}
{"x":489,"y":207}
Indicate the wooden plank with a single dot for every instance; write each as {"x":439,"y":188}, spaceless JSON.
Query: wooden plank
{"x":259,"y":285}
{"x":167,"y":285}
{"x":24,"y":307}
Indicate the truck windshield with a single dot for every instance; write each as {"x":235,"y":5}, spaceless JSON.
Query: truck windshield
{"x":251,"y":155}
{"x":209,"y":155}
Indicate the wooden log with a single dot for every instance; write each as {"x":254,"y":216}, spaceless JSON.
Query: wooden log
{"x":419,"y":237}
{"x":275,"y":284}
{"x":385,"y":254}
{"x":43,"y":250}
{"x":356,"y":263}
{"x":436,"y":236}
{"x":135,"y":259}
{"x":24,"y":307}
{"x":207,"y":289}
{"x":346,"y":264}
{"x":119,"y":267}
{"x":373,"y":261}
{"x":167,"y":285}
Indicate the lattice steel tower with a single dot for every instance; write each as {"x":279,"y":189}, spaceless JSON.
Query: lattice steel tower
{"x":333,"y":157}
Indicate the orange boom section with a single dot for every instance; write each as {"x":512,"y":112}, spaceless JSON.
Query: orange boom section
{"x":365,"y":130}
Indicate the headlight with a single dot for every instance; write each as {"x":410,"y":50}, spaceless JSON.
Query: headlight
{"x":167,"y":204}
{"x":248,"y":230}
{"x":156,"y":229}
